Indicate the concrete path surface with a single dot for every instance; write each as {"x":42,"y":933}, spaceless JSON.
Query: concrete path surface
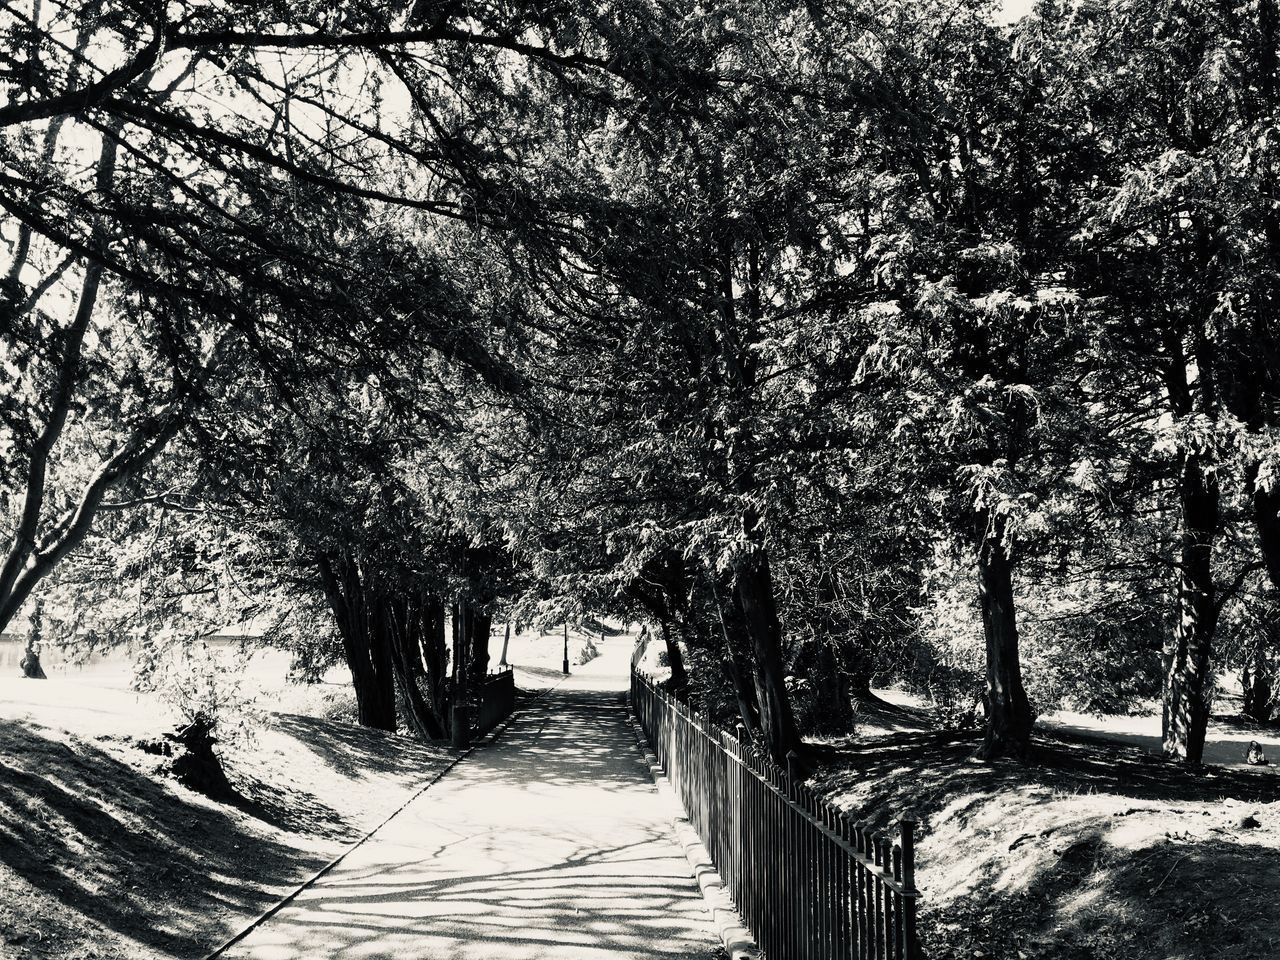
{"x":549,"y":843}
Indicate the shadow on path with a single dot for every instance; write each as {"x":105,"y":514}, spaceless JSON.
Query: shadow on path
{"x":548,"y":843}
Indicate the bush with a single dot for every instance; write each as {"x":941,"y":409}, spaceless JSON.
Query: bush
{"x":957,"y":696}
{"x":588,"y":652}
{"x":207,"y":693}
{"x":204,"y":687}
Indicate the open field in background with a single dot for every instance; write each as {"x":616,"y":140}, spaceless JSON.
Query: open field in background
{"x":533,"y":652}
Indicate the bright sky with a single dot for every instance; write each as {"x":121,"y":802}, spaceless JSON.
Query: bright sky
{"x":1016,"y":9}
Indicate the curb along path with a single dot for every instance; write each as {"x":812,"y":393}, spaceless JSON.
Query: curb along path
{"x":548,"y":843}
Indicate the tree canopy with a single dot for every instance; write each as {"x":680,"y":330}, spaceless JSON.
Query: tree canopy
{"x":845,"y":344}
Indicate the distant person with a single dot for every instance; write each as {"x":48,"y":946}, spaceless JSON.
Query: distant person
{"x":1255,"y":757}
{"x":30,"y":662}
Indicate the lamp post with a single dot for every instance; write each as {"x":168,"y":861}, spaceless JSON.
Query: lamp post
{"x":566,"y":648}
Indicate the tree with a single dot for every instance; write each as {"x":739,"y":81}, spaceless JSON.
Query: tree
{"x":199,"y":211}
{"x":1180,"y":254}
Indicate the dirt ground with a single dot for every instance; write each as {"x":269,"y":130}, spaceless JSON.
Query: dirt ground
{"x":1099,"y":850}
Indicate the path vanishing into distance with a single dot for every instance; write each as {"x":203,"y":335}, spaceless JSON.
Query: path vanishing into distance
{"x":550,"y":842}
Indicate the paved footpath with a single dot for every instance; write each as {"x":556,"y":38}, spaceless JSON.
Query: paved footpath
{"x":550,"y":843}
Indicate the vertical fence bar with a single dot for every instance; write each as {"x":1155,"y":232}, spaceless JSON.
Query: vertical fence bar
{"x":890,"y":904}
{"x":898,"y":937}
{"x":806,"y":876}
{"x":835,"y":873}
{"x":873,"y":894}
{"x":860,"y":899}
{"x":910,"y":941}
{"x":824,"y":889}
{"x":813,"y":873}
{"x":833,"y":883}
{"x":846,"y":930}
{"x":877,"y":907}
{"x":788,"y":879}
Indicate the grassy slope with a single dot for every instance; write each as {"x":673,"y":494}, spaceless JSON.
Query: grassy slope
{"x":1098,"y":850}
{"x":103,"y":856}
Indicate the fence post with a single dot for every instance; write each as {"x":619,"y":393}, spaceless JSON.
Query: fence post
{"x":461,"y":726}
{"x":911,"y":943}
{"x":869,"y":885}
{"x":793,"y":767}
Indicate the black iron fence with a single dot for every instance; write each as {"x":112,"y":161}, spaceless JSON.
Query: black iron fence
{"x":810,"y":883}
{"x":497,"y":696}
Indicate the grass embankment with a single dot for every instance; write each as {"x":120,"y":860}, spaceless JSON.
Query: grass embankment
{"x":102,"y":855}
{"x":1096,"y":850}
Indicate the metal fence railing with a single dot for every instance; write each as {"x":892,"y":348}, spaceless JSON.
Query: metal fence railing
{"x":497,"y":696}
{"x":810,"y":883}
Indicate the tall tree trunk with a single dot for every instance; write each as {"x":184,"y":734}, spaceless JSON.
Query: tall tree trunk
{"x":679,"y":678}
{"x":833,"y":693}
{"x":23,"y":553}
{"x":30,"y":663}
{"x":753,"y":588}
{"x":506,"y":642}
{"x":1266,"y":519}
{"x":384,"y":670}
{"x":402,"y":619}
{"x":435,"y":656}
{"x":459,"y":692}
{"x":734,"y":664}
{"x":753,"y":591}
{"x":1257,"y":682}
{"x":860,"y":664}
{"x":1008,"y":730}
{"x":744,"y":693}
{"x":366,"y":650}
{"x":1187,"y":651}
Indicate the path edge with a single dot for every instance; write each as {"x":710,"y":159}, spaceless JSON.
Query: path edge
{"x":737,"y":940}
{"x":440,"y":774}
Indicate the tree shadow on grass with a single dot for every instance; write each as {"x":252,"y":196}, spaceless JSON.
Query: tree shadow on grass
{"x":103,"y":841}
{"x":927,"y":770}
{"x":548,"y":673}
{"x":354,"y":751}
{"x":1206,"y":900}
{"x":289,"y":809}
{"x":1072,"y":883}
